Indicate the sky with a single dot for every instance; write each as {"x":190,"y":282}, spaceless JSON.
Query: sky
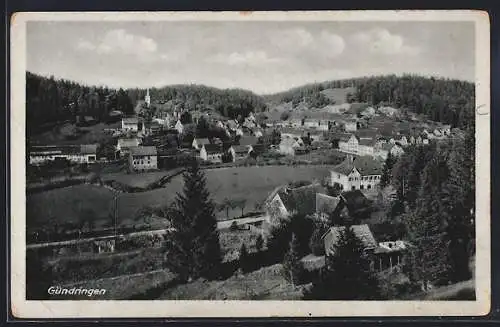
{"x":264,"y":57}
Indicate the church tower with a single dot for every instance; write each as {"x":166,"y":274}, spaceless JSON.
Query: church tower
{"x":147,"y":98}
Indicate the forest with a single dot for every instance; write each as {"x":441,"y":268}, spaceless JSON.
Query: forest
{"x":444,"y":100}
{"x":50,"y":100}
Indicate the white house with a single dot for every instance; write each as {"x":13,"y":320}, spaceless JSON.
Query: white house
{"x":130,"y":124}
{"x":198,"y":143}
{"x":366,"y":147}
{"x":143,"y":158}
{"x":85,"y":153}
{"x":350,"y":145}
{"x":240,"y":152}
{"x":361,"y":173}
{"x":179,"y":127}
{"x":212,"y":153}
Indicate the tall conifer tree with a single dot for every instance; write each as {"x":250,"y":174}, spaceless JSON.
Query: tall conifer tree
{"x":194,"y":248}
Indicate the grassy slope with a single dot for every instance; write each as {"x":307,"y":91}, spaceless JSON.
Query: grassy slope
{"x":251,"y":183}
{"x":264,"y":284}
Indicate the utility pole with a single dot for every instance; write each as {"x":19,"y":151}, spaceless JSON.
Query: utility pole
{"x":116,"y":210}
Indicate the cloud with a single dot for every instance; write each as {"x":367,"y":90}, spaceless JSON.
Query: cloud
{"x":381,"y":41}
{"x":119,"y":41}
{"x":250,"y":58}
{"x":333,"y":43}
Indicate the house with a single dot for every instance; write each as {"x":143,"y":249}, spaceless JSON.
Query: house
{"x":130,"y":124}
{"x":445,"y":129}
{"x":361,"y":173}
{"x":198,"y":143}
{"x":350,"y":126}
{"x":212,"y":153}
{"x":362,"y":232}
{"x":143,"y":158}
{"x":296,"y":122}
{"x":232,"y":125}
{"x":124,"y":144}
{"x":239,"y":132}
{"x":326,"y":205}
{"x":382,"y":256}
{"x":147,"y":99}
{"x":240,"y":152}
{"x":284,"y":201}
{"x":291,"y":132}
{"x":85,"y":153}
{"x":288,"y":145}
{"x":388,"y":111}
{"x":179,"y":127}
{"x":349,"y":144}
{"x":366,"y":147}
{"x":311,"y":123}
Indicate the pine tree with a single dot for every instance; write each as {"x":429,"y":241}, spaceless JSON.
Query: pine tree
{"x":429,"y":255}
{"x":386,"y":173}
{"x":292,"y":267}
{"x":194,"y":248}
{"x":458,"y":197}
{"x":347,"y":274}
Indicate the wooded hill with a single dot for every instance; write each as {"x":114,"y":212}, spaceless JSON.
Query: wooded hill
{"x":444,"y":100}
{"x":50,"y":100}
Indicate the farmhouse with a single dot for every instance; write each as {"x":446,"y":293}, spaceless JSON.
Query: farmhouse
{"x":348,"y":143}
{"x":85,"y":153}
{"x":382,"y":256}
{"x":361,"y":173}
{"x":325,"y":205}
{"x":240,"y":152}
{"x":198,"y":143}
{"x":130,"y":124}
{"x":143,"y":158}
{"x":287,"y":200}
{"x":124,"y":144}
{"x":363,"y":233}
{"x":212,"y":153}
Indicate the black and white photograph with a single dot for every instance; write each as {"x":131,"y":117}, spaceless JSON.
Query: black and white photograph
{"x":250,"y":164}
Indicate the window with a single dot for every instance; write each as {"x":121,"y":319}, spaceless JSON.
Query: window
{"x":338,"y":176}
{"x":353,"y":188}
{"x":361,"y":187}
{"x":369,"y":186}
{"x":350,"y":179}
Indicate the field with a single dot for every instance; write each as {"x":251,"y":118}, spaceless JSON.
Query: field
{"x":251,"y":183}
{"x":264,"y":284}
{"x":339,"y":95}
{"x":141,"y":180}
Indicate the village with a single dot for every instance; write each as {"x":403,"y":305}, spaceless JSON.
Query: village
{"x":353,"y":145}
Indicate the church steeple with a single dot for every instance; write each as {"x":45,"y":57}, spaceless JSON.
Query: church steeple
{"x":147,"y":98}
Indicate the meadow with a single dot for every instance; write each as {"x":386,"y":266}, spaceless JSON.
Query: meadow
{"x":251,"y":183}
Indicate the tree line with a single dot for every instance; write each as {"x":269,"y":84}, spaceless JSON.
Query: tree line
{"x":445,"y":100}
{"x":50,"y":100}
{"x":435,"y":201}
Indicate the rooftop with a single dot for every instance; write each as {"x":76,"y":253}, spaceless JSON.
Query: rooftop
{"x":366,"y":165}
{"x":130,"y":120}
{"x":362,"y":232}
{"x":213,"y":148}
{"x":143,"y":151}
{"x":326,"y":203}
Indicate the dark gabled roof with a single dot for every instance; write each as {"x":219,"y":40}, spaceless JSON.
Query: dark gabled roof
{"x":355,"y":199}
{"x":88,"y":148}
{"x":202,"y":141}
{"x":366,"y":165}
{"x":301,"y":199}
{"x":367,"y":142}
{"x":143,"y":151}
{"x":248,"y":140}
{"x":341,"y":136}
{"x":240,"y":148}
{"x":213,"y":148}
{"x":367,"y":134}
{"x":362,"y":232}
{"x":326,"y":203}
